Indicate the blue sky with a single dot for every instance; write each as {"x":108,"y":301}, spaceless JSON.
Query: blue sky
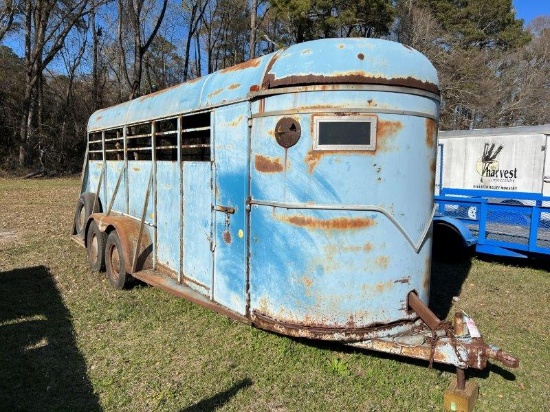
{"x":529,"y":9}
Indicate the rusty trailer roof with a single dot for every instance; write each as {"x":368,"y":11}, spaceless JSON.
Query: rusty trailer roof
{"x":319,"y":62}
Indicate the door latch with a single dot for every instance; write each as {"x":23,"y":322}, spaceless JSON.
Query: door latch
{"x":225,"y":209}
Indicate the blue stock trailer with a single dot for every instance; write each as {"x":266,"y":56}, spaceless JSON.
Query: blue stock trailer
{"x":293,"y":192}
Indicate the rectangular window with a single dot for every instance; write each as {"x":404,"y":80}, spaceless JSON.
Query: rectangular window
{"x":166,"y":140}
{"x":114,"y":144}
{"x":95,"y":146}
{"x":345,"y":133}
{"x":138,"y":141}
{"x":195,"y":137}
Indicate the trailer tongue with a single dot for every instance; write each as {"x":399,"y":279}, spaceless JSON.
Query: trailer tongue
{"x":434,"y":340}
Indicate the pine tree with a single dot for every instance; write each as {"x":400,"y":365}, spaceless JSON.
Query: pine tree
{"x":479,"y":23}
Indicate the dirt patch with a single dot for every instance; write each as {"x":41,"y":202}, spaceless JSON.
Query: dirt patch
{"x":7,"y":236}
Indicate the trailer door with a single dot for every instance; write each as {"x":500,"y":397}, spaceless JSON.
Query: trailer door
{"x":196,"y":168}
{"x":231,"y":152}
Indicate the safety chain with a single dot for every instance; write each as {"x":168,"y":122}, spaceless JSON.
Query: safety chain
{"x":448,"y":328}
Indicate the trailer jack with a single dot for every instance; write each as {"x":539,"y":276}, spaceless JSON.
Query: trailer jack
{"x":434,"y":340}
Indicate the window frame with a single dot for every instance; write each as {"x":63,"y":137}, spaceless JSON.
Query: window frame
{"x":372,"y":119}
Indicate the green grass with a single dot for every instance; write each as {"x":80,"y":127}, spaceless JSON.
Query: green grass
{"x":70,"y":342}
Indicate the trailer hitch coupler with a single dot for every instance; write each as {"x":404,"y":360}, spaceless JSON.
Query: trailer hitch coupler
{"x":505,"y":358}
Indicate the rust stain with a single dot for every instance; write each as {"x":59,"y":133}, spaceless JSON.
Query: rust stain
{"x":361,"y":56}
{"x":367,"y":247}
{"x":320,"y":329}
{"x":332,"y":250}
{"x":246,"y":65}
{"x":270,"y":81}
{"x":227,"y":237}
{"x":271,"y":133}
{"x":307,"y":281}
{"x":341,"y":46}
{"x":128,"y":230}
{"x":382,"y":261}
{"x":431,"y":130}
{"x":386,"y":129}
{"x":341,"y":223}
{"x":313,"y":157}
{"x":385,"y":132}
{"x":384,"y":286}
{"x":427,"y":273}
{"x":267,"y":164}
{"x":236,"y":121}
{"x":158,"y":92}
{"x":234,"y":86}
{"x":325,"y":106}
{"x":214,"y":93}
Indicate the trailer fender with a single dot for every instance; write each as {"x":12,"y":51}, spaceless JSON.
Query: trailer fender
{"x":128,"y":231}
{"x":448,"y":226}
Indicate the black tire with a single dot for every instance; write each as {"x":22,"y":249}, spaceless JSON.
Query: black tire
{"x":115,"y":263}
{"x":95,"y":247}
{"x":448,"y":245}
{"x":85,"y":206}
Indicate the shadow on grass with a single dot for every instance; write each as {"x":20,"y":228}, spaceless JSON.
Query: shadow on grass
{"x":447,"y":280}
{"x":219,"y":399}
{"x":41,"y":367}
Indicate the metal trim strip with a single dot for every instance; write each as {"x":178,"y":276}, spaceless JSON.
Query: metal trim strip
{"x":356,"y":208}
{"x":348,"y":110}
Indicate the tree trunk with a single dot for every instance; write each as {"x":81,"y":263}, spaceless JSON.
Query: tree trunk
{"x":253,"y":15}
{"x":27,"y":120}
{"x":95,"y":70}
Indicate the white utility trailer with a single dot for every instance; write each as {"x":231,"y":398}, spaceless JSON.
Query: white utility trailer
{"x":493,"y":191}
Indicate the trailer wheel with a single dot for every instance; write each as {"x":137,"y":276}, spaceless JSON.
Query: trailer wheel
{"x":86,"y":205}
{"x":95,"y":247}
{"x":448,"y":244}
{"x":115,"y":263}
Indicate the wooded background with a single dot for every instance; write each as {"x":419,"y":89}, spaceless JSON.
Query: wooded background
{"x":60,"y":60}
